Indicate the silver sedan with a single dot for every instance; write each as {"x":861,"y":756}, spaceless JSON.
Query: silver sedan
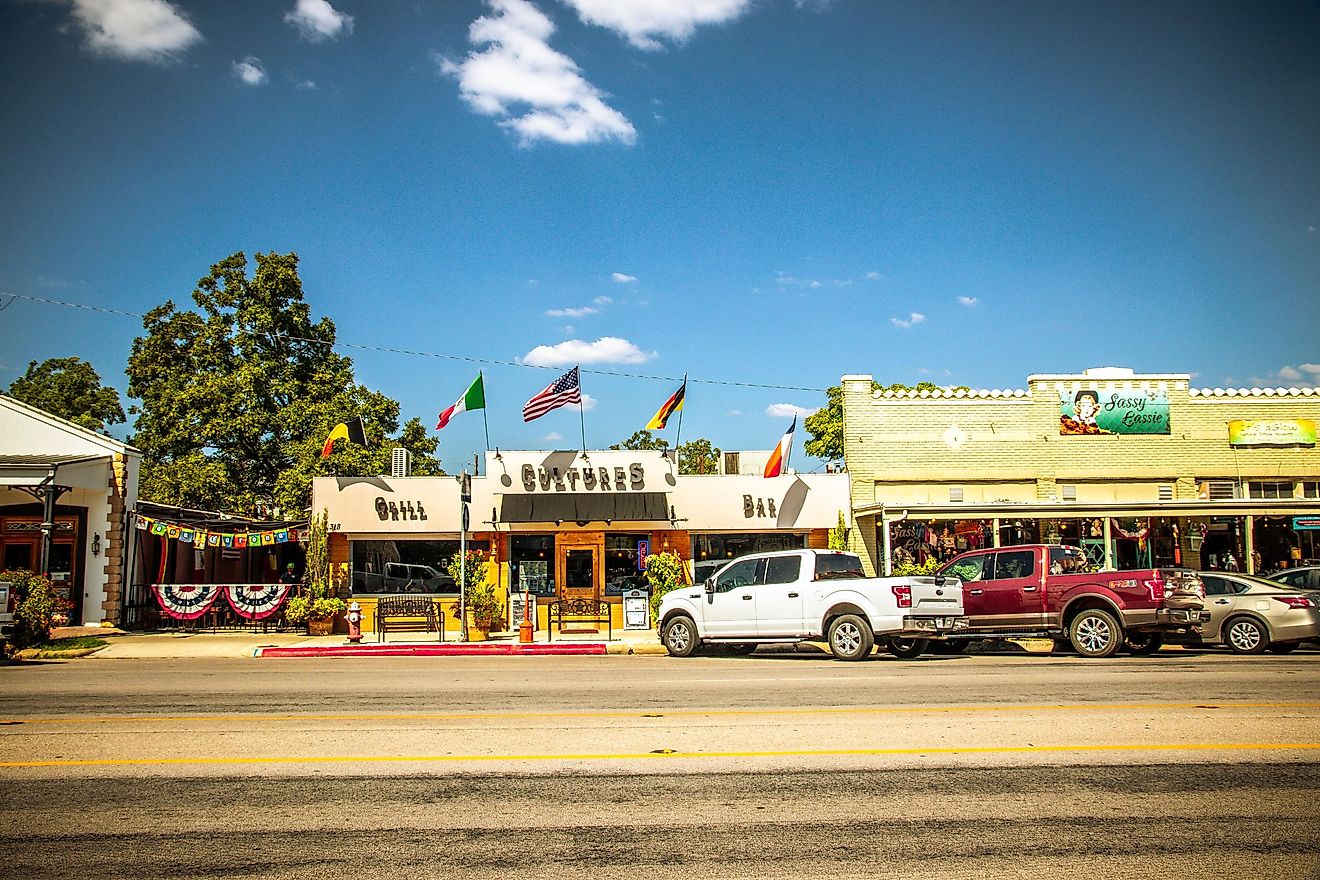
{"x":1250,"y":614}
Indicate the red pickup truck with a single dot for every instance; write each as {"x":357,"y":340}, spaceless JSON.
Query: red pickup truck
{"x":1045,"y":591}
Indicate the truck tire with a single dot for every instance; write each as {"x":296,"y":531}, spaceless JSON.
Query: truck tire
{"x":1095,"y":633}
{"x":908,"y":649}
{"x":680,"y":636}
{"x":1143,"y":644}
{"x":1246,"y":635}
{"x":851,"y":638}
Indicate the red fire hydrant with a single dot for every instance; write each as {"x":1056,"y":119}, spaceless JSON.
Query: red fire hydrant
{"x":354,"y":623}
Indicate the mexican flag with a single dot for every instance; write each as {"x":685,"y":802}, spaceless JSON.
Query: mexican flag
{"x":473,"y":398}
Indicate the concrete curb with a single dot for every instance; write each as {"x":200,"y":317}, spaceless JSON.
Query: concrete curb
{"x":464,"y":649}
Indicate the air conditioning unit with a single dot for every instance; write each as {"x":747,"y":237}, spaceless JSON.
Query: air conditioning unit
{"x":400,"y":463}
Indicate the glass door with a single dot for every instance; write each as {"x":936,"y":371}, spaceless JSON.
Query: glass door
{"x":580,"y":568}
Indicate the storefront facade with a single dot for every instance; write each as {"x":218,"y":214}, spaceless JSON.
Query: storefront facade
{"x":1138,"y":470}
{"x":563,"y":524}
{"x":86,"y":482}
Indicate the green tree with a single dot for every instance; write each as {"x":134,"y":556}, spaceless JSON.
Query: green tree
{"x":237,"y":398}
{"x":698,"y":457}
{"x":71,"y":389}
{"x":642,"y":439}
{"x":826,"y":424}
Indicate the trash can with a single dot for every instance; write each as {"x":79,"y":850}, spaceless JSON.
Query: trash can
{"x":636,"y":609}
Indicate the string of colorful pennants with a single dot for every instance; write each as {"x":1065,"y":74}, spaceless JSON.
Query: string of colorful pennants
{"x":207,"y":538}
{"x":249,"y":601}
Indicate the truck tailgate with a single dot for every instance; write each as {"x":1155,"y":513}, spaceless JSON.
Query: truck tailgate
{"x":931,"y":598}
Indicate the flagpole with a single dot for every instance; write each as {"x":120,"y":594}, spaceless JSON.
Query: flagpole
{"x":582,"y":411}
{"x":679,"y":433}
{"x":484,"y":421}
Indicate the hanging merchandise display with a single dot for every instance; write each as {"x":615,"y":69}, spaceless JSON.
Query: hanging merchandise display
{"x":186,"y":601}
{"x":256,"y":601}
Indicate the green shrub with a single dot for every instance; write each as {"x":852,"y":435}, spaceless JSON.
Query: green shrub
{"x":665,"y":572}
{"x":910,"y":569}
{"x":35,"y":603}
{"x":482,"y":597}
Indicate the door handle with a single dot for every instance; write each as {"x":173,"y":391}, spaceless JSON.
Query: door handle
{"x":976,"y":592}
{"x":1221,"y":601}
{"x":1028,"y":589}
{"x":792,"y":595}
{"x":747,"y":597}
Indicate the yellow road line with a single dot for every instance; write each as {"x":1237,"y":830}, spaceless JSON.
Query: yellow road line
{"x":657,"y":713}
{"x":634,"y":756}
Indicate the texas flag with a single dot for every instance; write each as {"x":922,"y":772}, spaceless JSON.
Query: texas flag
{"x":778,"y":462}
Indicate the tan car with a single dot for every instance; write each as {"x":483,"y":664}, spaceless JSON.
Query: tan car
{"x":1250,"y":614}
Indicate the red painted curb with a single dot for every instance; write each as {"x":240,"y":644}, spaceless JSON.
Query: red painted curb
{"x":479,"y":649}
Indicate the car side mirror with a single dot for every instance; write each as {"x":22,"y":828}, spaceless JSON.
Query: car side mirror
{"x":710,"y":585}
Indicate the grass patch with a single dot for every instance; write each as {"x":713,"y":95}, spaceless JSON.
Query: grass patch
{"x":81,"y":643}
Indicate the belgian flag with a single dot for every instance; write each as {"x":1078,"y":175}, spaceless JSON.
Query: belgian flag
{"x":668,"y":408}
{"x":353,"y":431}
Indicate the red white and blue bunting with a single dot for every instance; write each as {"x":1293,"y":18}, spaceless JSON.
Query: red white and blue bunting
{"x":186,"y":601}
{"x":256,"y":601}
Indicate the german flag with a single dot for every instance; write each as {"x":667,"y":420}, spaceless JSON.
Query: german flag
{"x":354,"y":431}
{"x":667,"y":409}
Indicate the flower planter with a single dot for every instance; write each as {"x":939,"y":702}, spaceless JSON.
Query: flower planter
{"x":320,"y":626}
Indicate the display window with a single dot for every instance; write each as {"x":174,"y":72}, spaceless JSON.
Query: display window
{"x":711,"y":551}
{"x":531,"y":564}
{"x":624,"y":564}
{"x":385,"y":567}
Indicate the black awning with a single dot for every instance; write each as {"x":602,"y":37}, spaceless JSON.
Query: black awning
{"x":635,"y":507}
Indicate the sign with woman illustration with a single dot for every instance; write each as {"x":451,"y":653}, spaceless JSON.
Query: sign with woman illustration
{"x":1113,"y":411}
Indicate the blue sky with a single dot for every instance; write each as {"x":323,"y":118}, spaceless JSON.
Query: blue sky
{"x":754,"y":192}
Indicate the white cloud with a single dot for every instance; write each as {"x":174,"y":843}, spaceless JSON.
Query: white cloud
{"x":914,"y":318}
{"x":875,"y":276}
{"x":305,"y":85}
{"x":970,"y":301}
{"x":1311,"y":229}
{"x":317,"y":20}
{"x":784,"y":280}
{"x":532,"y":282}
{"x":1290,"y":374}
{"x":1313,"y":369}
{"x":645,"y":22}
{"x":588,"y":404}
{"x":572,"y":313}
{"x":518,"y":69}
{"x":134,"y":30}
{"x":553,"y":437}
{"x":250,"y":71}
{"x":620,"y":278}
{"x":788,"y":410}
{"x":734,"y":412}
{"x":606,"y":350}
{"x":602,"y":301}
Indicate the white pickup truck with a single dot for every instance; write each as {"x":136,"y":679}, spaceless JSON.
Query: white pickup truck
{"x":804,"y":595}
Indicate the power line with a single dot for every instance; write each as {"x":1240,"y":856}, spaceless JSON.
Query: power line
{"x":441,"y":356}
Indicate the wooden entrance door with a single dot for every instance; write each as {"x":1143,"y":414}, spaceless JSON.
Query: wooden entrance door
{"x":580,"y":565}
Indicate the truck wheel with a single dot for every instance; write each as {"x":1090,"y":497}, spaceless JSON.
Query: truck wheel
{"x":851,"y":638}
{"x":680,"y":636}
{"x":1143,"y":644}
{"x":1246,"y":635}
{"x":1095,"y":633}
{"x":907,"y":649}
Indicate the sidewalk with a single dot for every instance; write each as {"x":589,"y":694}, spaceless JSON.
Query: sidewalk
{"x":177,"y":645}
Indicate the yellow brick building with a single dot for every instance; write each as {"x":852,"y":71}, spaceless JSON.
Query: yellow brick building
{"x":1139,"y":469}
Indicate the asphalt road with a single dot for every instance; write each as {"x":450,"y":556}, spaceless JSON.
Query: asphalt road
{"x":998,"y":766}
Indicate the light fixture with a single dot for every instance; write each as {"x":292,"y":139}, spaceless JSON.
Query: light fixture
{"x":96,"y":543}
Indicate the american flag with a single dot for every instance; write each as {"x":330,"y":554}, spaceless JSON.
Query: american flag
{"x":561,"y":392}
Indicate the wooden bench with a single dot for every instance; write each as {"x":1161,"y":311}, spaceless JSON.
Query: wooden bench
{"x":575,"y":612}
{"x":408,"y":615}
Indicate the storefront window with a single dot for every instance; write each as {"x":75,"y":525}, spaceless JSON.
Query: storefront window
{"x":709,"y":552}
{"x":532,"y":564}
{"x":622,"y":571}
{"x":915,"y":542}
{"x":406,"y":566}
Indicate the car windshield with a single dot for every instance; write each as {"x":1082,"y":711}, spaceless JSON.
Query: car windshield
{"x":838,"y":565}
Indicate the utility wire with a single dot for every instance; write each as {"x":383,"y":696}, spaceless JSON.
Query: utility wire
{"x":441,"y":356}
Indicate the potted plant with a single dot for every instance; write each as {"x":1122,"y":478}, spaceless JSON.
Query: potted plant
{"x":485,"y":609}
{"x":317,"y":605}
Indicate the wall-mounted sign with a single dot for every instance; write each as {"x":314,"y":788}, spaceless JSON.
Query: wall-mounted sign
{"x":1306,"y":523}
{"x":1114,"y":411}
{"x":576,"y":473}
{"x":763,"y":508}
{"x":1271,"y":432}
{"x":643,"y":551}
